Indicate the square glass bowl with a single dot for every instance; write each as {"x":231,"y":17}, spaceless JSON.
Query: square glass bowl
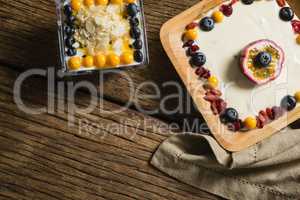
{"x":101,"y":34}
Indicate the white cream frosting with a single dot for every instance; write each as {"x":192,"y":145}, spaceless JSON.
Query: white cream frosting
{"x":224,"y":43}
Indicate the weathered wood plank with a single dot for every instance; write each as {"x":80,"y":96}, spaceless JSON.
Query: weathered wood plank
{"x":41,"y":157}
{"x":28,"y":39}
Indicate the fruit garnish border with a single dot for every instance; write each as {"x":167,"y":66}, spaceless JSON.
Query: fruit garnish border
{"x":230,"y":116}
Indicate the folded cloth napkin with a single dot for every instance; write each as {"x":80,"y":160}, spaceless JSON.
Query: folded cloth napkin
{"x":268,"y":170}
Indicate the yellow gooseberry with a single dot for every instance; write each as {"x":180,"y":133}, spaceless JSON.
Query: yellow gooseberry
{"x":100,"y":60}
{"x":250,"y":123}
{"x":74,"y":63}
{"x":76,"y":5}
{"x":88,"y":3}
{"x":191,"y":34}
{"x":113,"y":60}
{"x":213,"y":81}
{"x":127,"y":58}
{"x":218,"y":16}
{"x":88,"y":61}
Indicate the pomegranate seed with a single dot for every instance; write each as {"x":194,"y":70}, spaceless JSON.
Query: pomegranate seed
{"x":221,"y":105}
{"x":188,"y":43}
{"x":191,"y":26}
{"x":193,"y":49}
{"x":297,"y":29}
{"x":264,"y":115}
{"x":270,"y":113}
{"x":214,"y":108}
{"x":296,"y":26}
{"x":211,"y":98}
{"x":262,"y":119}
{"x":206,"y":75}
{"x":281,"y":3}
{"x":200,"y":71}
{"x":226,"y":10}
{"x":236,"y":126}
{"x":259,"y":123}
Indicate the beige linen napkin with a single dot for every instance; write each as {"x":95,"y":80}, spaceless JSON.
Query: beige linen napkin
{"x":268,"y":170}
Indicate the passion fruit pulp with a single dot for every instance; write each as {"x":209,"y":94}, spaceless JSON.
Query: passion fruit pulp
{"x":255,"y":73}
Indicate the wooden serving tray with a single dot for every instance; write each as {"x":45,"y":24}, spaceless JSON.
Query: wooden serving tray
{"x":171,"y":34}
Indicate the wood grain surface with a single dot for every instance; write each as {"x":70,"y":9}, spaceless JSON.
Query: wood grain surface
{"x":29,"y":26}
{"x":41,"y":157}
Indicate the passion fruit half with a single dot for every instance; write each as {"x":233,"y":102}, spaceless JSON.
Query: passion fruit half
{"x":257,"y":72}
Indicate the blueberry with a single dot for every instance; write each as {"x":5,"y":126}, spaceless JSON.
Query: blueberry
{"x":69,"y":42}
{"x":263,"y":59}
{"x":230,"y":115}
{"x":71,"y":52}
{"x":286,"y":14}
{"x":132,"y":9}
{"x":198,"y":59}
{"x":134,"y":21}
{"x":68,"y":10}
{"x":69,"y":30}
{"x":207,"y":24}
{"x":247,"y":2}
{"x":288,"y":103}
{"x":135,"y":32}
{"x":70,"y":20}
{"x":138,"y":56}
{"x":138,"y":44}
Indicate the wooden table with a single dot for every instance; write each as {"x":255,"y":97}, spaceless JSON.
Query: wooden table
{"x":44,"y":158}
